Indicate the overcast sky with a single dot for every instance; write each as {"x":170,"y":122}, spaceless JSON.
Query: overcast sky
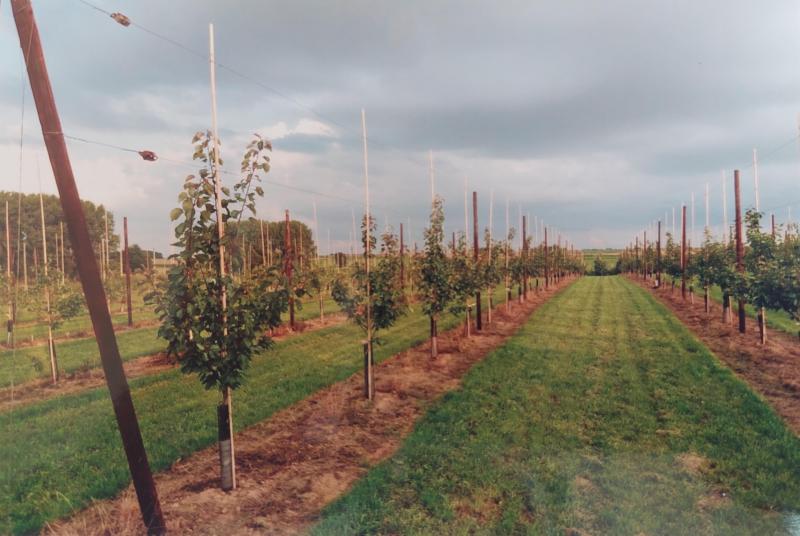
{"x":597,"y":116}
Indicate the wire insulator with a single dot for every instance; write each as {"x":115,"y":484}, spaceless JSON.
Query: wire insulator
{"x":150,"y":156}
{"x":122,"y":19}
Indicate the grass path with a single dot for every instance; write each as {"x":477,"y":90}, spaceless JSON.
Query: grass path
{"x":603,"y":415}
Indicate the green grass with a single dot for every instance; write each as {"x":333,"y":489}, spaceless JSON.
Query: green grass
{"x":59,"y":454}
{"x":609,"y":258}
{"x":778,"y":320}
{"x":580,"y":421}
{"x":77,"y":325}
{"x":31,"y":362}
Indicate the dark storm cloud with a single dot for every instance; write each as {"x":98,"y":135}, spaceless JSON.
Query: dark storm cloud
{"x":572,"y":109}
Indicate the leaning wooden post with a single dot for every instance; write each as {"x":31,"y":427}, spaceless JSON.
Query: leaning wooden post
{"x":87,"y":267}
{"x":739,"y":243}
{"x":683,"y":252}
{"x":127,"y":262}
{"x":476,"y":256}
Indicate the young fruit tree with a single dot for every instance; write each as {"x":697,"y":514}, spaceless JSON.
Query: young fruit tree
{"x":385,"y":297}
{"x":212,"y":322}
{"x":434,"y":289}
{"x":763,"y":269}
{"x":465,"y":282}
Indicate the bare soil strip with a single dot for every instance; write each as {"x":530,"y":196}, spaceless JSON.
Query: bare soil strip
{"x":74,"y":382}
{"x":771,"y":370}
{"x":292,"y":465}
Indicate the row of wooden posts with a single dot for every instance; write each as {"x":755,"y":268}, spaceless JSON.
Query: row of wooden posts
{"x":646,"y":271}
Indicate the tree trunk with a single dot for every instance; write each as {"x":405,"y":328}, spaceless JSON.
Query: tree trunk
{"x":706,"y":305}
{"x":762,"y":325}
{"x":434,"y":342}
{"x":369,"y":372}
{"x":227,"y":458}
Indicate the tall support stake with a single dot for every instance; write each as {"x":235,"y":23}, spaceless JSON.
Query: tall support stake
{"x":476,"y":258}
{"x":489,"y":248}
{"x":546,"y":261}
{"x":683,"y":252}
{"x":288,"y":256}
{"x":87,"y":267}
{"x":508,"y":282}
{"x":127,"y":260}
{"x":402,"y":263}
{"x":524,"y":254}
{"x":225,"y":409}
{"x":61,"y":244}
{"x":739,"y":243}
{"x":724,"y":210}
{"x":658,"y":257}
{"x":755,"y":178}
{"x":368,"y":359}
{"x":263,"y":244}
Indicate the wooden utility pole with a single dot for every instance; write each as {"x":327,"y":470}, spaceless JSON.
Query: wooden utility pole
{"x":476,"y":258}
{"x":683,"y":252}
{"x":739,"y":243}
{"x":127,"y":259}
{"x":87,"y":267}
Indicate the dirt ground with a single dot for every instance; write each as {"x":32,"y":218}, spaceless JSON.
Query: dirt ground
{"x":771,"y":370}
{"x":74,"y":382}
{"x":292,"y":465}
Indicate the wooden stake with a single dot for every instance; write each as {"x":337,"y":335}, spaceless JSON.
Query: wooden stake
{"x":476,"y":257}
{"x":402,"y":263}
{"x":367,"y":253}
{"x":683,"y":251}
{"x":127,"y":258}
{"x":739,"y":243}
{"x":287,"y":265}
{"x":228,"y":473}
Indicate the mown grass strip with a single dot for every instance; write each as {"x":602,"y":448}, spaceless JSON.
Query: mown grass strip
{"x":604,"y":415}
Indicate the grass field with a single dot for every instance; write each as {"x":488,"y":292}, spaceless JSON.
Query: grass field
{"x":603,"y":415}
{"x":608,"y":257}
{"x":66,"y":451}
{"x":778,"y":320}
